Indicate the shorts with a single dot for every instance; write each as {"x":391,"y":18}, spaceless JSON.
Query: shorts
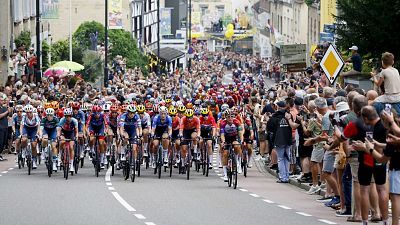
{"x":231,"y":139}
{"x":317,"y":155}
{"x":206,"y":133}
{"x":305,"y":151}
{"x":175,"y":134}
{"x":262,"y":136}
{"x":80,"y":127}
{"x":365,"y":174}
{"x":329,"y":161}
{"x":293,"y":154}
{"x":68,"y":134}
{"x":159,"y":132}
{"x":354,"y":164}
{"x":394,"y":182}
{"x":17,"y":133}
{"x":187,"y":134}
{"x":97,"y":131}
{"x":51,"y":133}
{"x":30,"y":133}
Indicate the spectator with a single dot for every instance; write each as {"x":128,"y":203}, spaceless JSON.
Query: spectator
{"x":4,"y":112}
{"x":356,"y":60}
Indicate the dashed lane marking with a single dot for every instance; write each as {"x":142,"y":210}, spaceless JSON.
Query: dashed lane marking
{"x":123,"y":202}
{"x":244,"y":190}
{"x":219,"y":174}
{"x":10,"y":168}
{"x":284,"y":207}
{"x":5,"y":171}
{"x":268,"y":201}
{"x":140,"y":216}
{"x":111,"y":188}
{"x":255,"y":195}
{"x":326,"y":221}
{"x":150,"y":223}
{"x":108,"y":183}
{"x":303,"y":214}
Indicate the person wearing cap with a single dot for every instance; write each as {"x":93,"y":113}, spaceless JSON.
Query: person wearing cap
{"x":356,"y":60}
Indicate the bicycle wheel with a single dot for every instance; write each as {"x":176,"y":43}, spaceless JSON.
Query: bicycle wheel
{"x":229,"y":171}
{"x":112,"y":159}
{"x":207,"y":163}
{"x":132,"y":163}
{"x":234,"y":173}
{"x":82,"y":160}
{"x":29,"y":164}
{"x":49,"y":163}
{"x":159,"y":161}
{"x":139,"y":160}
{"x":19,"y":160}
{"x":244,"y":165}
{"x":97,"y":162}
{"x":188,"y":166}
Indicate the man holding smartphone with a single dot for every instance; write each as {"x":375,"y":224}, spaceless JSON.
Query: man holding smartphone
{"x":4,"y":112}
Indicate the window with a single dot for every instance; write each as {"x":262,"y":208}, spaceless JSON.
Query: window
{"x":33,"y":8}
{"x":27,"y":8}
{"x":220,"y":11}
{"x":17,"y":11}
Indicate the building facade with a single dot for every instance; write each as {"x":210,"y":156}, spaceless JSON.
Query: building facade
{"x":144,"y":22}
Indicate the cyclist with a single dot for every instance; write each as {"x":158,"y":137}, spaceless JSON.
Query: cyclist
{"x":129,"y":127}
{"x":161,"y":128}
{"x":79,"y":115}
{"x":29,"y":128}
{"x":48,"y":132}
{"x":231,"y":133}
{"x":248,"y":137}
{"x":112,"y":132}
{"x":68,"y":129}
{"x":146,"y":126}
{"x":16,"y":122}
{"x":208,"y":130}
{"x":189,"y":130}
{"x":176,"y":121}
{"x":97,"y":125}
{"x":181,"y":111}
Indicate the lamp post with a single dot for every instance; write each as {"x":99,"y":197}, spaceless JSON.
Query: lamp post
{"x":106,"y":45}
{"x":158,"y":41}
{"x":38,"y":53}
{"x":70,"y":30}
{"x":190,"y":34}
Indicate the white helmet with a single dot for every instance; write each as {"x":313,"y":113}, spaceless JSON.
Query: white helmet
{"x":106,"y":107}
{"x":163,"y":109}
{"x":28,"y":108}
{"x":34,"y":110}
{"x":50,"y":111}
{"x":68,"y":112}
{"x":224,"y":107}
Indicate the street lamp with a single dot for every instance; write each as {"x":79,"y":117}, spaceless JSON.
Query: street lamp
{"x":158,"y":35}
{"x":38,"y":53}
{"x":106,"y":45}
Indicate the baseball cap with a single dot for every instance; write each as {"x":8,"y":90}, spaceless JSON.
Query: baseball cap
{"x":281,"y":104}
{"x":355,"y":48}
{"x":342,"y":106}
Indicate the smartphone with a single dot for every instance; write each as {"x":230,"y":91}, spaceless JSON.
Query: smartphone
{"x":369,"y":136}
{"x":11,"y":104}
{"x":388,"y":108}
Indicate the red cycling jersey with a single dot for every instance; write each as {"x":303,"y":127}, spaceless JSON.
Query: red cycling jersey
{"x":209,"y":122}
{"x":176,"y":122}
{"x":190,"y":124}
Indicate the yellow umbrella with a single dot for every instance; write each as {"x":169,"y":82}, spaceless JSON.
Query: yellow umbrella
{"x":73,"y":66}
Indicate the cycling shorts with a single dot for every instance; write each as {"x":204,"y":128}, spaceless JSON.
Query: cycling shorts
{"x":51,"y":133}
{"x":30,"y":133}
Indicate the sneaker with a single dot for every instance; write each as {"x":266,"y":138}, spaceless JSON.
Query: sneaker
{"x":42,"y":156}
{"x":1,"y":158}
{"x":145,"y":154}
{"x":249,"y":165}
{"x":343,"y":213}
{"x":304,"y":179}
{"x":82,"y":155}
{"x":34,"y":166}
{"x":225,"y":178}
{"x":335,"y":200}
{"x":102,"y":166}
{"x":210,"y":166}
{"x":239,"y":170}
{"x":313,"y":190}
{"x":71,"y":168}
{"x":274,"y":167}
{"x":58,"y":163}
{"x":324,"y":199}
{"x":118,"y":168}
{"x":153,"y":165}
{"x":107,"y":153}
{"x":55,"y":166}
{"x":166,"y":160}
{"x":198,"y":157}
{"x":220,"y":165}
{"x":123,"y":158}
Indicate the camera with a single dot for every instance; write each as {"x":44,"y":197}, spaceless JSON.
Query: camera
{"x":338,"y":118}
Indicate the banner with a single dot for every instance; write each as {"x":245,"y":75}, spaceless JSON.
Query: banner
{"x":196,"y":22}
{"x":115,"y":14}
{"x":165,"y":19}
{"x":50,"y":9}
{"x":328,"y":10}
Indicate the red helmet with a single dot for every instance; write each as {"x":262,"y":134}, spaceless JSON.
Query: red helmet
{"x":60,"y":113}
{"x":75,"y":105}
{"x":149,"y":106}
{"x":96,"y":108}
{"x":114,"y":108}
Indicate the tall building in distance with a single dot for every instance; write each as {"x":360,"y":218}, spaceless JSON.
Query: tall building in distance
{"x":144,"y":22}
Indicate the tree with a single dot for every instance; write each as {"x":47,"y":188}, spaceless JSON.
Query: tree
{"x":82,"y":34}
{"x":45,"y":55}
{"x":24,"y":38}
{"x":60,"y":51}
{"x":371,"y":25}
{"x":93,"y":65}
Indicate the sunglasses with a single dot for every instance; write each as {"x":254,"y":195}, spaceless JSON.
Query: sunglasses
{"x":19,"y":111}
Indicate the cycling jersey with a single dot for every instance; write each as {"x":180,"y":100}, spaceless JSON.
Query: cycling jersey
{"x":190,"y":124}
{"x":129,"y":124}
{"x":68,"y":127}
{"x":207,"y":123}
{"x":112,"y":121}
{"x":247,"y":126}
{"x":80,"y":117}
{"x":176,"y":122}
{"x":161,"y":127}
{"x":97,"y":125}
{"x":33,"y":122}
{"x":230,"y":130}
{"x":49,"y":127}
{"x":16,"y":120}
{"x":145,"y":121}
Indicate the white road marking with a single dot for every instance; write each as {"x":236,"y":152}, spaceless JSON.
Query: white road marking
{"x":150,"y":223}
{"x":244,"y":190}
{"x":108,"y":183}
{"x":217,"y":171}
{"x":4,"y":172}
{"x":123,"y":202}
{"x":219,"y":174}
{"x":222,"y":178}
{"x":284,"y":207}
{"x":1,"y":175}
{"x":326,"y":221}
{"x":107,"y":178}
{"x":255,"y":195}
{"x":268,"y":201}
{"x":303,"y":214}
{"x":16,"y":165}
{"x":111,"y":188}
{"x":11,"y":169}
{"x":140,"y":216}
{"x":214,"y":161}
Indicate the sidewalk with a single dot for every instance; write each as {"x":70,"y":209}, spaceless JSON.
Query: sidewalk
{"x":8,"y":162}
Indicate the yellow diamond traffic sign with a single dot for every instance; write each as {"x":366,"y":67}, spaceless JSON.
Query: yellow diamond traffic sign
{"x":332,"y":63}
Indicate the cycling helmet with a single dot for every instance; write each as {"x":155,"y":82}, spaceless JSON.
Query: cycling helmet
{"x":114,"y":108}
{"x":50,"y":111}
{"x":227,"y":113}
{"x":163,"y":109}
{"x":131,"y":108}
{"x":172,"y":111}
{"x":55,"y":104}
{"x":47,"y":105}
{"x":96,"y":108}
{"x":106,"y":107}
{"x":197,"y":102}
{"x":189,"y":113}
{"x":155,"y":108}
{"x":168,"y":100}
{"x":75,"y":105}
{"x":149,"y":106}
{"x":39,"y":108}
{"x":224,"y":107}
{"x":34,"y":110}
{"x":181,"y":109}
{"x":189,"y":106}
{"x":140,"y":108}
{"x":68,"y":112}
{"x":123,"y":107}
{"x":28,"y":108}
{"x":204,"y":111}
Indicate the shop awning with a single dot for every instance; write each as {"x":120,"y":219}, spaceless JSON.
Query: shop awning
{"x":169,"y":54}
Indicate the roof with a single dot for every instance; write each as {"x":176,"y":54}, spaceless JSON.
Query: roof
{"x":168,"y":54}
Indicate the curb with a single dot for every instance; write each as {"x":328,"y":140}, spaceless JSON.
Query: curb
{"x":263,"y":168}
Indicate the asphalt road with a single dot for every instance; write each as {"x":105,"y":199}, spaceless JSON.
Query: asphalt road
{"x":89,"y":200}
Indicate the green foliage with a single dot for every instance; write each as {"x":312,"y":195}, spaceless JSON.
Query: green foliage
{"x":60,"y":51}
{"x":45,"y":55}
{"x":309,"y":2}
{"x":93,"y":65}
{"x":24,"y":38}
{"x":81,"y":35}
{"x":371,"y":25}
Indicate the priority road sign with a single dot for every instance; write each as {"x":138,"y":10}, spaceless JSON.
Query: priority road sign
{"x":332,"y":63}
